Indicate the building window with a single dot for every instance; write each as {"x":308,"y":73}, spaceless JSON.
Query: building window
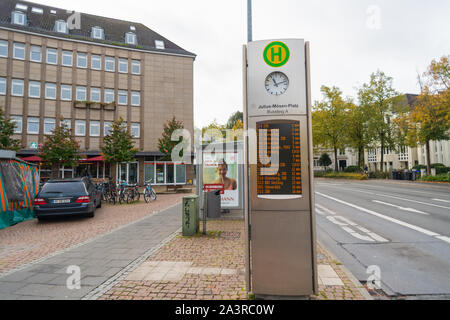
{"x":135,"y":67}
{"x":3,"y":49}
{"x":34,"y":89}
{"x":109,"y":95}
{"x":159,"y":44}
{"x":19,"y":51}
{"x":49,"y":126}
{"x":61,"y":26}
{"x":135,"y":130}
{"x":80,"y":127}
{"x":96,"y":95}
{"x":128,"y":172}
{"x":81,"y":94}
{"x":33,"y":126}
{"x":110,"y":64}
{"x":50,"y":91}
{"x":18,"y":121}
{"x":36,"y":54}
{"x":123,"y":97}
{"x":17,"y":88}
{"x":82,"y":60}
{"x":135,"y":99}
{"x":96,"y":62}
{"x":19,"y":18}
{"x":67,"y":58}
{"x":66,"y":92}
{"x":107,"y":127}
{"x":130,"y":38}
{"x":165,"y":173}
{"x":2,"y":86}
{"x":94,"y":128}
{"x":123,"y":65}
{"x":37,"y":10}
{"x":52,"y":56}
{"x":97,"y":33}
{"x":67,"y":123}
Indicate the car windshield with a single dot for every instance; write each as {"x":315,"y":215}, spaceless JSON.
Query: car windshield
{"x":64,"y":188}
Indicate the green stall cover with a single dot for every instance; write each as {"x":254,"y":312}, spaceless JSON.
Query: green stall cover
{"x":19,"y":185}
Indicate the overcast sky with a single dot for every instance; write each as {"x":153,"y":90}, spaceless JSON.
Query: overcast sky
{"x":350,"y":39}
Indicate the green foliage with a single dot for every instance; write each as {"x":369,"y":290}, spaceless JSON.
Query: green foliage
{"x":438,"y":178}
{"x":118,"y":146}
{"x":352,"y":169}
{"x":61,"y":148}
{"x":6,"y":131}
{"x":325,"y":160}
{"x":345,"y":175}
{"x":165,"y":143}
{"x":234,"y":118}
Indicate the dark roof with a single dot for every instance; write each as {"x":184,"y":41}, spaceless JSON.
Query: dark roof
{"x":411,"y":99}
{"x":114,"y":29}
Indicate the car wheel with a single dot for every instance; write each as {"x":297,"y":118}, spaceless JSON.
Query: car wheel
{"x":90,"y":214}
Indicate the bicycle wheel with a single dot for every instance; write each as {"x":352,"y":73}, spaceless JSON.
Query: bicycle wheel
{"x":153,"y":195}
{"x":130,"y":196}
{"x":147,"y":196}
{"x":122,"y":197}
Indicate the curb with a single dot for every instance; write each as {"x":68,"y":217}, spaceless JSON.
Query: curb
{"x":349,"y":275}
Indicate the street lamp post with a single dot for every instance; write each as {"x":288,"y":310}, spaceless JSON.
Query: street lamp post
{"x":249,"y":20}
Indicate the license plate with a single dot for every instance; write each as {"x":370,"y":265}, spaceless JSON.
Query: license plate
{"x":61,"y":201}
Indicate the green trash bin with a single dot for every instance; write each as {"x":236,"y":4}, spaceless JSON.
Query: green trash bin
{"x":191,"y":219}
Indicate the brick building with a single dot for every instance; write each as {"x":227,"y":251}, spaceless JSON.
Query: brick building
{"x":91,"y":70}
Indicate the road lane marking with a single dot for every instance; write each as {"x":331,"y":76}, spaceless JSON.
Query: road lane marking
{"x":357,"y":235}
{"x":376,"y":214}
{"x":388,"y":196}
{"x":441,"y":200}
{"x":444,"y":238}
{"x":373,"y":235}
{"x":325,"y":209}
{"x":401,"y":208}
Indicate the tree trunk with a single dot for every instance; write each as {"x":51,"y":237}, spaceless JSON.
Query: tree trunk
{"x":382,"y":158}
{"x":336,"y":165}
{"x":55,"y":171}
{"x":113,"y":173}
{"x":428,"y":157}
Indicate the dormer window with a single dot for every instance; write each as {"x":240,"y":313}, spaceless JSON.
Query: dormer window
{"x":159,"y":44}
{"x":97,"y":33}
{"x":61,"y":26}
{"x":19,"y":18}
{"x":130,"y":38}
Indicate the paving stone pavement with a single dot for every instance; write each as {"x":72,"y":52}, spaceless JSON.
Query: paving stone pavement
{"x":99,"y":260}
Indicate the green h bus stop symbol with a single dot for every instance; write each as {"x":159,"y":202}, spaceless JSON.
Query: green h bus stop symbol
{"x":276,"y":54}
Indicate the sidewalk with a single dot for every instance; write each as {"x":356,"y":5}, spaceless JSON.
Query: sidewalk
{"x":149,"y":259}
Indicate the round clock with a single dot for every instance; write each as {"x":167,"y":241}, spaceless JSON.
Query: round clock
{"x":277,"y":83}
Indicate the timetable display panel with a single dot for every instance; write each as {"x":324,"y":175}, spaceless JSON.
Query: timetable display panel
{"x":279,"y":140}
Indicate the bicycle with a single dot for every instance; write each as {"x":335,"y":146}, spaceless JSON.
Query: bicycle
{"x":149,"y":192}
{"x":122,"y":190}
{"x":133,"y":193}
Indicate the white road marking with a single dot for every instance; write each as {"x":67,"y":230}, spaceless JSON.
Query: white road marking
{"x":325,"y":209}
{"x":320,"y":211}
{"x":388,"y":196}
{"x":357,"y":235}
{"x":373,"y":235}
{"x":441,"y":200}
{"x":401,"y":208}
{"x":402,"y":223}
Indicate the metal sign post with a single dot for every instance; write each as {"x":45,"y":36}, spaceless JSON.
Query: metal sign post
{"x":281,"y":255}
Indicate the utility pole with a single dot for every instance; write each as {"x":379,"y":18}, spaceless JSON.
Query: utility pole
{"x":249,"y":20}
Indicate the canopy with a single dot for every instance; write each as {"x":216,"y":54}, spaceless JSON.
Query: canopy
{"x":95,"y":159}
{"x":32,"y":159}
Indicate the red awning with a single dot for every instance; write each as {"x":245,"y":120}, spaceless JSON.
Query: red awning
{"x":32,"y":159}
{"x":95,"y":159}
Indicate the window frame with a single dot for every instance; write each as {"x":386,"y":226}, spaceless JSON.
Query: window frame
{"x":31,"y":53}
{"x":94,"y":31}
{"x":50,"y":85}
{"x":4,"y":44}
{"x":122,"y":63}
{"x":134,"y":126}
{"x":85,"y":57}
{"x":5,"y":82}
{"x":96,"y":58}
{"x":17,"y":120}
{"x":77,"y":122}
{"x":65,"y":54}
{"x":106,"y":92}
{"x":107,"y":124}
{"x":131,"y":36}
{"x":23,"y":49}
{"x":51,"y":54}
{"x":59,"y":23}
{"x":119,"y":95}
{"x":67,"y":88}
{"x":51,"y":121}
{"x":35,"y":84}
{"x":16,"y":14}
{"x":14,"y":84}
{"x":110,"y":60}
{"x":133,"y":94}
{"x":77,"y":91}
{"x":29,"y":121}
{"x":135,"y":63}
{"x":97,"y":124}
{"x":97,"y":91}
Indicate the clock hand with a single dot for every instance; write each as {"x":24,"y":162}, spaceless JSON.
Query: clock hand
{"x":276,"y":84}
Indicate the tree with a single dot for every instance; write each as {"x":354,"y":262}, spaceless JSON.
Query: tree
{"x":60,"y":149}
{"x":379,"y":99}
{"x":357,"y":134}
{"x":325,"y":160}
{"x":118,"y":145}
{"x":329,"y":121}
{"x":165,"y":143}
{"x":234,"y":119}
{"x":6,"y":131}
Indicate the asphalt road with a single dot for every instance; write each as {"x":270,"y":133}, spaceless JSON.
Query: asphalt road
{"x":397,"y":232}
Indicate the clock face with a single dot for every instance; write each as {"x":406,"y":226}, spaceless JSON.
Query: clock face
{"x":277,"y":83}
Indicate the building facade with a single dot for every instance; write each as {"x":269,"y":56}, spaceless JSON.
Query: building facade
{"x":88,"y":71}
